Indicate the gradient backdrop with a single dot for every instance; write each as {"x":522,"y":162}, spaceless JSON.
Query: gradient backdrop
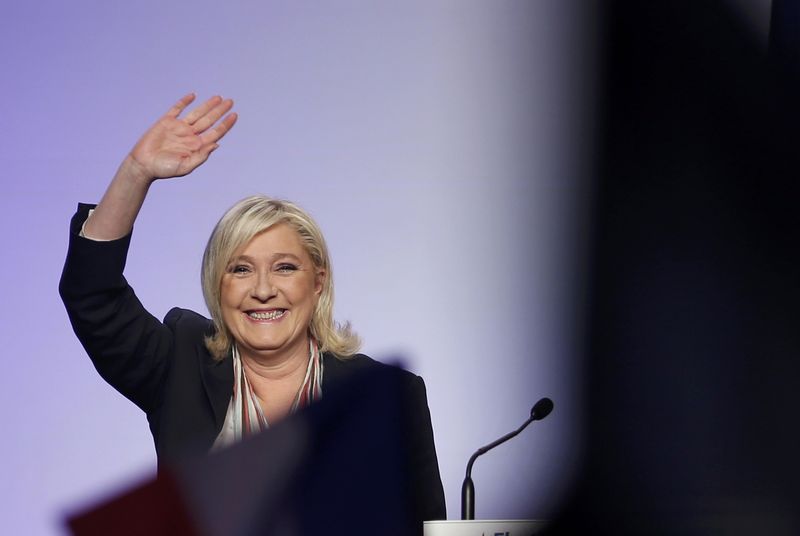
{"x":435,"y":143}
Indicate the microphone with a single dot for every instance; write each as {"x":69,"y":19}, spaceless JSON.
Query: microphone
{"x":539,"y":411}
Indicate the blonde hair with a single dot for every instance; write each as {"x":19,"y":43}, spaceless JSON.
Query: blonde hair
{"x":237,"y":227}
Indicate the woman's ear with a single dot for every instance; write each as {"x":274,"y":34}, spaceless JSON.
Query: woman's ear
{"x":319,"y":281}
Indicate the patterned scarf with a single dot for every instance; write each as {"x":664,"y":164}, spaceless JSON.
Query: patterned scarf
{"x":245,"y":418}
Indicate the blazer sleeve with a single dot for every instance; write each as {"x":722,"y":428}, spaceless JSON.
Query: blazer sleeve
{"x":429,"y":494}
{"x":128,"y":346}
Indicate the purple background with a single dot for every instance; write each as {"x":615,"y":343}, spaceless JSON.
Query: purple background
{"x":435,"y":143}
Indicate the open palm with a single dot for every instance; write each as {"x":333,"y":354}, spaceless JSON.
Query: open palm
{"x":174,"y":146}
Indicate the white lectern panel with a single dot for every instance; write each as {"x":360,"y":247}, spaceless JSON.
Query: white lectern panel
{"x":484,"y":527}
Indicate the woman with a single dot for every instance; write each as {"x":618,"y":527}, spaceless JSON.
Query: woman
{"x":271,"y":346}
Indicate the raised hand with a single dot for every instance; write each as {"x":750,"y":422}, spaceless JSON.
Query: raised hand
{"x":174,"y":146}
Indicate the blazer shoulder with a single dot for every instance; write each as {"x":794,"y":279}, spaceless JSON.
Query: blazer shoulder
{"x":338,"y":369}
{"x":358,"y":362}
{"x":186,"y":320}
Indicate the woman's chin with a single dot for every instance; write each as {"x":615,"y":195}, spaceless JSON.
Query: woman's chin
{"x":269,"y":349}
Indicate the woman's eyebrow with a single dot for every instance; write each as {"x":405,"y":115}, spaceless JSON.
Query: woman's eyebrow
{"x":273,"y":258}
{"x":277,"y":256}
{"x":238,"y":258}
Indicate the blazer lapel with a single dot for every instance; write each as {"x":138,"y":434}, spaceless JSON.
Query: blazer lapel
{"x":217,"y":377}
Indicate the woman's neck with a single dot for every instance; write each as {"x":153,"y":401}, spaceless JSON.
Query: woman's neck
{"x":272,"y":368}
{"x":275,"y":382}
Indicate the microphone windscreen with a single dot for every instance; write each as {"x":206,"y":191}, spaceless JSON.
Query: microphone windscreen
{"x":541,"y":409}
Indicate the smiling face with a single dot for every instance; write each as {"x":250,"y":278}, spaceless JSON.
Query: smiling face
{"x":268,"y":294}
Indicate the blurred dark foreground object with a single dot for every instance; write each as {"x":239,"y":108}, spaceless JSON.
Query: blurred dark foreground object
{"x":693,"y":343}
{"x":337,"y":467}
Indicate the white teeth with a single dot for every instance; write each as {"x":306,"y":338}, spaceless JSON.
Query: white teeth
{"x":272,"y":315}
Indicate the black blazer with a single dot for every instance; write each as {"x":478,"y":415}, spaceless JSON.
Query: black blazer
{"x":166,"y":370}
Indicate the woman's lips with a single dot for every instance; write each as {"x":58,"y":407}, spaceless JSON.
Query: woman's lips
{"x":266,"y":316}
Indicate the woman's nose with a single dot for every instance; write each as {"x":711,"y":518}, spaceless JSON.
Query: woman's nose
{"x":263,"y":289}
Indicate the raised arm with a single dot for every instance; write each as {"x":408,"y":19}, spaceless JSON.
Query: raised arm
{"x":172,"y":147}
{"x":129,"y":347}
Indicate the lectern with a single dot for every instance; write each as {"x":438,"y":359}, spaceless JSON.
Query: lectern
{"x":486,"y":527}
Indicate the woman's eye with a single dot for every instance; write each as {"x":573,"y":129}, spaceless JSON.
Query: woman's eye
{"x":287,"y":267}
{"x":239,"y":269}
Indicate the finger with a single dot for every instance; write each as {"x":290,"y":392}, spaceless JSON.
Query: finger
{"x":214,"y":135}
{"x":202,"y":110}
{"x":212,"y":116}
{"x":181,"y":105}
